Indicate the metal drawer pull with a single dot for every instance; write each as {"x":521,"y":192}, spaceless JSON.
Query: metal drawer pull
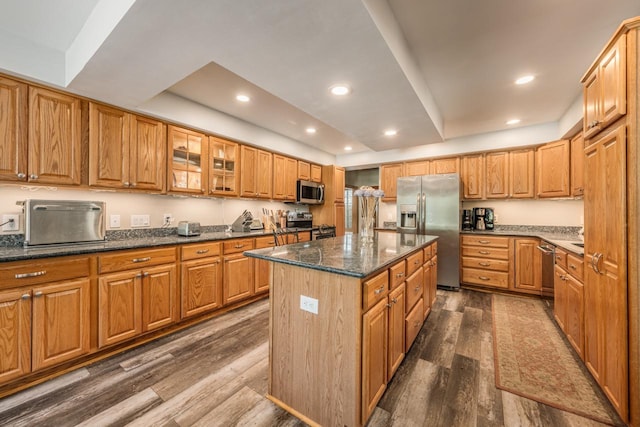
{"x":34,"y":274}
{"x":572,"y":266}
{"x":239,"y":246}
{"x":25,"y":296}
{"x":395,"y":300}
{"x":399,"y":275}
{"x":145,"y":259}
{"x":483,"y":278}
{"x":417,"y":288}
{"x":416,"y":262}
{"x":37,"y":294}
{"x":484,"y":264}
{"x":484,"y":252}
{"x":379,"y":290}
{"x":202,"y":251}
{"x":145,"y":274}
{"x":484,"y":242}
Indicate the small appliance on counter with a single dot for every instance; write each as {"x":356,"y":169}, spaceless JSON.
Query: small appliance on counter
{"x":299,"y":220}
{"x":188,"y":228}
{"x":483,"y":218}
{"x":467,"y":219}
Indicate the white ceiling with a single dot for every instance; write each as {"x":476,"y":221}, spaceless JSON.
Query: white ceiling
{"x":434,"y":70}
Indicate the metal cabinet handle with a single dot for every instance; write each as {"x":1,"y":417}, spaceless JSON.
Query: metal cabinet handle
{"x":139,"y":275}
{"x":379,"y":290}
{"x":25,"y":296}
{"x":27,"y":275}
{"x":126,"y":183}
{"x":599,"y":256}
{"x":484,"y":252}
{"x":202,"y":251}
{"x":484,"y":264}
{"x":33,"y":176}
{"x":145,"y":259}
{"x":133,"y":184}
{"x":573,"y":267}
{"x":20,"y":175}
{"x":239,"y":246}
{"x":483,"y":278}
{"x":145,"y":274}
{"x":484,"y":242}
{"x":394,"y":300}
{"x":37,"y":294}
{"x":417,"y":288}
{"x":398,"y":275}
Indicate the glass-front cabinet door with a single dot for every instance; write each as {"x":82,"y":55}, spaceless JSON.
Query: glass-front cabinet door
{"x":223,"y":173}
{"x":186,"y":171}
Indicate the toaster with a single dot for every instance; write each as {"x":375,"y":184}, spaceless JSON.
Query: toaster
{"x":188,"y":228}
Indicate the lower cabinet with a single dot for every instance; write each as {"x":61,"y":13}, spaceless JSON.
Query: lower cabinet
{"x":136,"y":293}
{"x":375,"y":336}
{"x":430,"y":277}
{"x":238,"y":273}
{"x":528,"y":266}
{"x":396,"y":318}
{"x":486,"y":261}
{"x":201,"y":278}
{"x":568,"y":304}
{"x":262,"y":270}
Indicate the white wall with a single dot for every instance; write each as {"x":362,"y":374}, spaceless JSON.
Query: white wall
{"x":207,"y":211}
{"x":516,"y":212}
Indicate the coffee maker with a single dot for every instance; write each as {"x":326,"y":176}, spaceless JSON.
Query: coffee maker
{"x":467,"y":219}
{"x":483,"y":218}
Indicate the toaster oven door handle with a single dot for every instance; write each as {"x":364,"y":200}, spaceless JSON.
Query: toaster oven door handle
{"x":91,"y":207}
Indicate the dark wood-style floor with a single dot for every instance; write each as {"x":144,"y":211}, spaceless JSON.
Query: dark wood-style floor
{"x":215,"y":374}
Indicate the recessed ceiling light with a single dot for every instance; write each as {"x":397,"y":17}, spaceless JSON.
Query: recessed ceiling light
{"x":524,"y":80}
{"x":311,"y":130}
{"x":513,"y":122}
{"x":243,"y":98}
{"x":340,"y":89}
{"x":390,"y":132}
{"x":347,"y":148}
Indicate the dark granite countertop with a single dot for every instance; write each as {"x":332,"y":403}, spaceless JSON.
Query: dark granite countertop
{"x":564,"y":240}
{"x":18,"y":253}
{"x":346,"y":255}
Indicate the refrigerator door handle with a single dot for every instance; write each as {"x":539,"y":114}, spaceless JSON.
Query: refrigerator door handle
{"x":423,"y":203}
{"x":418,"y":213}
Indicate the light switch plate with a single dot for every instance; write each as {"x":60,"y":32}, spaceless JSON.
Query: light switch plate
{"x":114,"y":221}
{"x":309,"y":304}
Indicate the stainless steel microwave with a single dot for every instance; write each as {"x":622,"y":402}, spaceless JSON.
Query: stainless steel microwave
{"x":310,"y":193}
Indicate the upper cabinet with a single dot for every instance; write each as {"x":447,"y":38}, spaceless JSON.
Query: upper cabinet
{"x":552,"y":169}
{"x":316,"y":173}
{"x":224,"y":176}
{"x":187,"y":170}
{"x":577,"y":165}
{"x":55,"y":137}
{"x":522,"y":174}
{"x":605,"y":96}
{"x":497,"y":175}
{"x":420,"y":167}
{"x":472,"y":176}
{"x":125,"y":150}
{"x":285,"y":173}
{"x":13,"y":130}
{"x":389,"y":175}
{"x":448,"y":165}
{"x":304,"y":170}
{"x":256,"y":178}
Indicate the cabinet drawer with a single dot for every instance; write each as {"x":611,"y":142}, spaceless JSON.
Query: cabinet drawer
{"x":434,"y":248}
{"x":485,"y":264}
{"x":414,"y":262}
{"x":575,"y":266}
{"x":122,"y":261}
{"x":414,"y":289}
{"x":235,"y":246}
{"x":50,"y":270}
{"x":264,"y":242}
{"x":479,"y":252}
{"x":397,"y":273}
{"x":413,"y":324}
{"x":201,"y":250}
{"x":427,"y":253}
{"x":561,"y":258}
{"x":496,"y":279}
{"x":374,"y":289}
{"x":496,"y":242}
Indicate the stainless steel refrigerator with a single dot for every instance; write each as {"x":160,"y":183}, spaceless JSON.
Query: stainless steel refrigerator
{"x":430,"y":204}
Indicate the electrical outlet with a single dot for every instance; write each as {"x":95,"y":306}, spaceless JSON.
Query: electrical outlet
{"x":309,"y":304}
{"x":167,"y":219}
{"x":114,"y":221}
{"x":12,"y":222}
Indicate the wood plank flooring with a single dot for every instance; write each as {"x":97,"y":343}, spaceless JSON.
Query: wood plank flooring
{"x":215,"y":374}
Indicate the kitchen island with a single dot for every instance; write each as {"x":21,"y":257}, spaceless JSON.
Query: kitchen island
{"x":342,"y":315}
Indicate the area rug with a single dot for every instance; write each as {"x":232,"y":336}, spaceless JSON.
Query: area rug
{"x":533,"y":361}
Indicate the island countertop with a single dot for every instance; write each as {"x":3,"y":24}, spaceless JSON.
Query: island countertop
{"x":346,"y":255}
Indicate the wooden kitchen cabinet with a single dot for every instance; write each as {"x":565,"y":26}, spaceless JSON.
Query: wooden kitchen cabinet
{"x":389,"y":175}
{"x":415,"y":288}
{"x":396,"y":350}
{"x":284,"y":177}
{"x":605,"y":89}
{"x":332,"y":211}
{"x":316,"y":173}
{"x":472,"y":176}
{"x":447,"y":165}
{"x":238,"y":273}
{"x":568,"y":304}
{"x":522,"y":174}
{"x":528,"y":266}
{"x":55,"y":137}
{"x":577,"y":165}
{"x":136,"y":293}
{"x":375,"y":335}
{"x":304,"y":170}
{"x":201,"y":284}
{"x":187,"y":167}
{"x":256,"y":179}
{"x":552,"y":169}
{"x":338,"y":183}
{"x":14,"y":130}
{"x":486,"y":261}
{"x":15,"y":341}
{"x":417,"y":168}
{"x":126,"y":150}
{"x":497,"y":175}
{"x":224,"y":163}
{"x":262,"y":267}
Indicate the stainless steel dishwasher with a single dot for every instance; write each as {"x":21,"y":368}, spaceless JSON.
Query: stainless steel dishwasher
{"x":548,"y":262}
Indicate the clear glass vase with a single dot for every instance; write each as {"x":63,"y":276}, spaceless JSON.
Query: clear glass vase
{"x":368,"y":207}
